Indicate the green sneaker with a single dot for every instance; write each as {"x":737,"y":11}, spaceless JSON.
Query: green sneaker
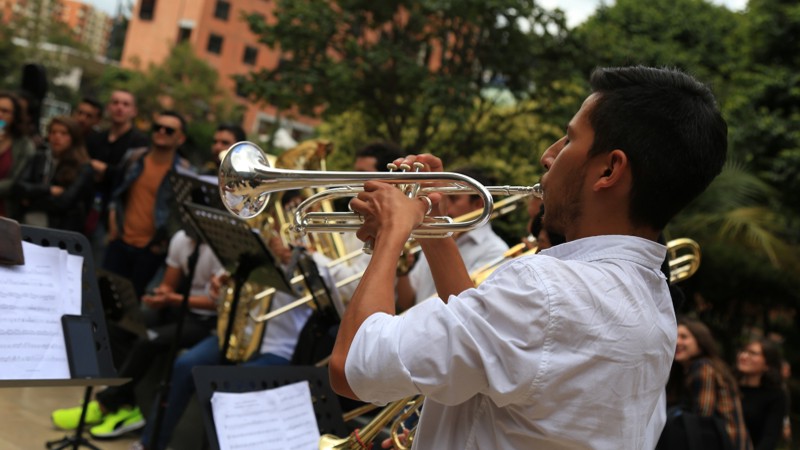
{"x":68,"y":418}
{"x":118,"y":423}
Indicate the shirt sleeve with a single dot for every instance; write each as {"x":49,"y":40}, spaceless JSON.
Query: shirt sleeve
{"x":487,"y":340}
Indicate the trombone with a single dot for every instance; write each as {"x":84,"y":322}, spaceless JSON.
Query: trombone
{"x":246,"y":182}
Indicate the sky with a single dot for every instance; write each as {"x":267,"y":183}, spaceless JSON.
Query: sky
{"x":577,"y":10}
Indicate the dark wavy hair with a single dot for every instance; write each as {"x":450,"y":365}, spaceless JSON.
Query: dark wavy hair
{"x":709,"y":350}
{"x":69,"y":163}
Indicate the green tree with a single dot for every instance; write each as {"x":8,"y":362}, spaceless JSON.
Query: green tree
{"x":694,"y":35}
{"x":417,"y":72}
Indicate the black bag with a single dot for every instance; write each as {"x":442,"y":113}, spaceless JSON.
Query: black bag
{"x":689,"y":431}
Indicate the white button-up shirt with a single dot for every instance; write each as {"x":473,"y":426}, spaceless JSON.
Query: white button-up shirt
{"x":477,"y":247}
{"x":567,"y":349}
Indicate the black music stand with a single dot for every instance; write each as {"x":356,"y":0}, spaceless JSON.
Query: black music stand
{"x":97,"y":370}
{"x":241,"y":250}
{"x":120,"y":303}
{"x":209,"y":379}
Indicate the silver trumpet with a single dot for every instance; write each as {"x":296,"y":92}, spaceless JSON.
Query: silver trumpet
{"x":246,"y":182}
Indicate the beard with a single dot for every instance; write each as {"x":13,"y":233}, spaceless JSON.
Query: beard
{"x":559,"y":216}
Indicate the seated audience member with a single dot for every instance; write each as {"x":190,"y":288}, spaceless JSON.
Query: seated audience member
{"x":703,"y":384}
{"x":57,"y":190}
{"x":758,"y":368}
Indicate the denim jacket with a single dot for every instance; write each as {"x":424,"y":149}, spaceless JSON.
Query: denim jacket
{"x":133,"y":164}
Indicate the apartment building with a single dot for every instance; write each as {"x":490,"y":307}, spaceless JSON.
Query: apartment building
{"x":219,"y":36}
{"x":89,"y":25}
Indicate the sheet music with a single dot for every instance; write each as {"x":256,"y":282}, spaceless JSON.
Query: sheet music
{"x":33,"y":297}
{"x":275,"y":419}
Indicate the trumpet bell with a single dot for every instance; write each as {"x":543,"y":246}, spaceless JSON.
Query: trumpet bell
{"x":239,"y":179}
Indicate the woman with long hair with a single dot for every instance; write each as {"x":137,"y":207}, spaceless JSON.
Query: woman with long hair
{"x":702,"y":382}
{"x":758,"y":369}
{"x":15,"y":152}
{"x":63,"y":193}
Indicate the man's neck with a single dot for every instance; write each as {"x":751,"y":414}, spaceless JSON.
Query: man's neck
{"x":118,"y":129}
{"x":160,"y":155}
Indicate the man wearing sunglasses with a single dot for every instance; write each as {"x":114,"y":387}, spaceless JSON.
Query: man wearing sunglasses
{"x":139,"y":212}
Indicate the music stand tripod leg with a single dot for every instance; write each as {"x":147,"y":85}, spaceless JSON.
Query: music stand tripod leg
{"x":76,"y":441}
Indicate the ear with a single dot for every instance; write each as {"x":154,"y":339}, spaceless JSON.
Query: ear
{"x":612,"y":170}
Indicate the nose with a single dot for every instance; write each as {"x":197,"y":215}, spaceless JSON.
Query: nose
{"x":550,"y":154}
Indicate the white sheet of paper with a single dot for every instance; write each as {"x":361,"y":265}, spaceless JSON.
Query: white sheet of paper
{"x":33,"y":297}
{"x":275,"y":419}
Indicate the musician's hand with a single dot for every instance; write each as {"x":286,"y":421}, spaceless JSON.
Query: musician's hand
{"x":216,"y":283}
{"x":158,"y":298}
{"x":387,"y":443}
{"x":386,"y":209}
{"x":430,"y":163}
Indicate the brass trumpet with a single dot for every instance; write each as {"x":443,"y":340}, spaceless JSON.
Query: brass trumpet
{"x":246,"y":182}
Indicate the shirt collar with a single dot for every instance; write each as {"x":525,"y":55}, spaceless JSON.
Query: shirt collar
{"x":630,"y":248}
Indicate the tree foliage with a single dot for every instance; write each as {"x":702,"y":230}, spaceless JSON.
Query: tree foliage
{"x":409,"y":67}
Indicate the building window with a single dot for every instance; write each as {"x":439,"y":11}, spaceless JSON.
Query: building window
{"x":147,"y":9}
{"x":222,"y":10}
{"x":184,"y":34}
{"x":250,"y":55}
{"x":240,"y":91}
{"x":214,"y":44}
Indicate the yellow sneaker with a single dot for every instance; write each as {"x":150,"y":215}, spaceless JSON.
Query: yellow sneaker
{"x":118,"y":423}
{"x":67,"y":418}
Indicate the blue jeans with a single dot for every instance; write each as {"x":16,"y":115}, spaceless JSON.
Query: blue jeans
{"x":205,"y":353}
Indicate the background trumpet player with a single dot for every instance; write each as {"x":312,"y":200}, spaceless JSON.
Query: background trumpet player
{"x":569,"y":348}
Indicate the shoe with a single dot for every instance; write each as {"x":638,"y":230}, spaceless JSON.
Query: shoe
{"x":118,"y":423}
{"x":68,"y":418}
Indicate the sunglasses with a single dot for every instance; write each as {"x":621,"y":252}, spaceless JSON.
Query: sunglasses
{"x":158,"y":127}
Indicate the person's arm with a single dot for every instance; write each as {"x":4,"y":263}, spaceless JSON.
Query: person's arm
{"x":447,"y":267}
{"x":406,"y":295}
{"x":389,"y":218}
{"x":79,"y":189}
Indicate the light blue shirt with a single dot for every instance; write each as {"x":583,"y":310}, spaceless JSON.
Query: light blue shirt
{"x":567,"y":349}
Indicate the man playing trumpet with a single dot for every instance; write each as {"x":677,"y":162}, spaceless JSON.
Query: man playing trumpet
{"x":569,"y":348}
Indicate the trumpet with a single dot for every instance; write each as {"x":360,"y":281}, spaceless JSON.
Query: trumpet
{"x":246,"y":182}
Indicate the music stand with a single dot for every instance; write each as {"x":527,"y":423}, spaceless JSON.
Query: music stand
{"x":209,"y":379}
{"x":185,"y":189}
{"x":240,"y":250}
{"x":120,"y":303}
{"x":101,"y":370}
